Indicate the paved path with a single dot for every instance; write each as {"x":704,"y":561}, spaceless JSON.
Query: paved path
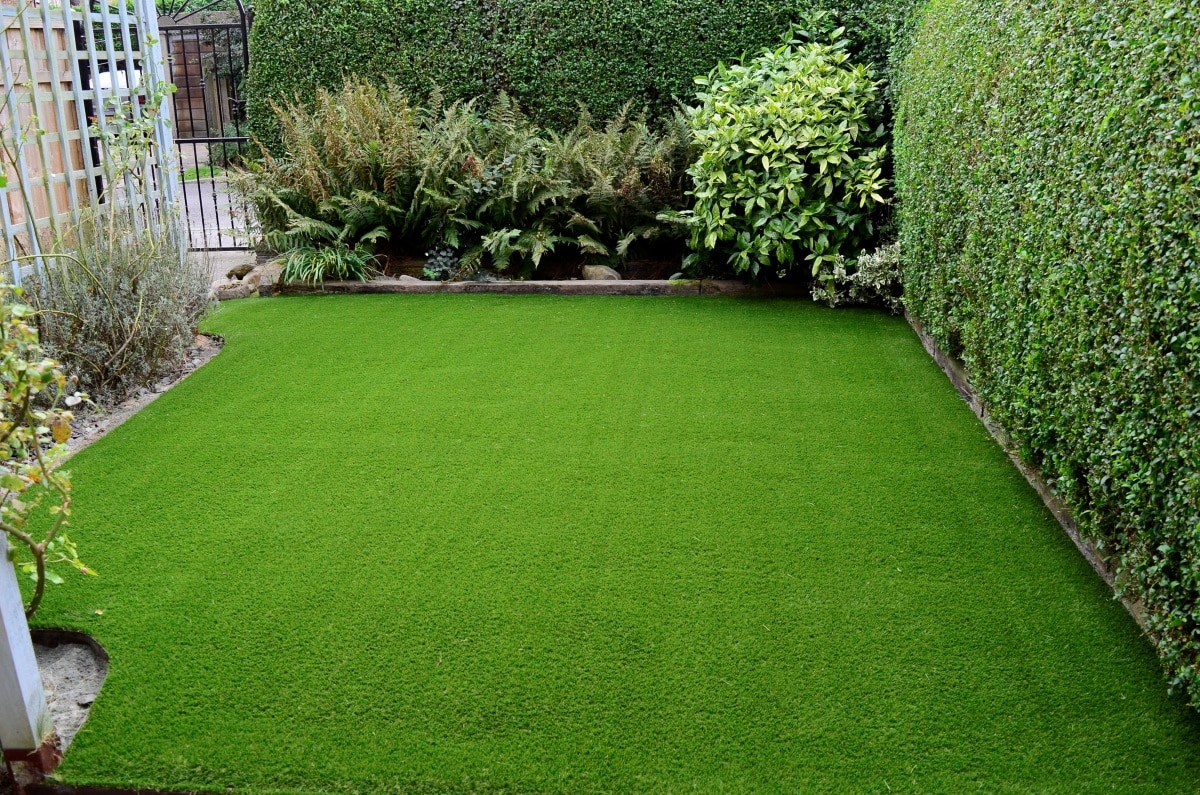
{"x":211,"y":215}
{"x":219,"y":262}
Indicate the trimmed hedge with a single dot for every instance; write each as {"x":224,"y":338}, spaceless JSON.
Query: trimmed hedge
{"x":1048,"y":173}
{"x":550,"y":55}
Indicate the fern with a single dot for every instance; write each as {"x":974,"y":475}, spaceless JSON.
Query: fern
{"x":364,"y":166}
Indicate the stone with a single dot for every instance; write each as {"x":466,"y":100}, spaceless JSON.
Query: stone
{"x":268,"y":278}
{"x":253,"y":278}
{"x":229,"y":291}
{"x":600,"y":273}
{"x":410,"y":279}
{"x":239,"y":271}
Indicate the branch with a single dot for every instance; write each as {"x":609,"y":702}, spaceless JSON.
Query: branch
{"x":39,"y":557}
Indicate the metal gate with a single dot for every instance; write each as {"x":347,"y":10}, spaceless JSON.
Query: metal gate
{"x":207,"y":60}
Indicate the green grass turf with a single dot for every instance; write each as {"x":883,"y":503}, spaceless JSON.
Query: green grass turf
{"x":542,"y":544}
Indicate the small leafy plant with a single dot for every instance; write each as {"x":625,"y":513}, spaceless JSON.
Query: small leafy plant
{"x":336,"y":262}
{"x":441,"y":264}
{"x":873,"y":278}
{"x":224,"y":154}
{"x":791,"y":156}
{"x":35,"y":423}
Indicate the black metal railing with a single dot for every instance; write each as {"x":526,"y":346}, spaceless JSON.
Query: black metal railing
{"x":207,"y":62}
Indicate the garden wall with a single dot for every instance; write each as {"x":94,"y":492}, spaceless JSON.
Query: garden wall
{"x":1048,"y":174}
{"x":550,"y":55}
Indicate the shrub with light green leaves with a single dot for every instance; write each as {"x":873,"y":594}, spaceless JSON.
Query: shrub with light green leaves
{"x":790,"y":156}
{"x":1049,"y":208}
{"x":35,"y":423}
{"x":874,"y":280}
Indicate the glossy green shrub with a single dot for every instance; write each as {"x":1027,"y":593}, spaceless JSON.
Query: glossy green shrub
{"x":790,"y":157}
{"x":549,"y":55}
{"x":1048,"y":172}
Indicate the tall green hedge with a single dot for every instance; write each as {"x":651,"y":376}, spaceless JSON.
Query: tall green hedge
{"x":1048,"y":172}
{"x":550,"y":55}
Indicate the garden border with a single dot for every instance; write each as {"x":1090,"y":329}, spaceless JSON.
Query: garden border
{"x":47,"y":788}
{"x":573,"y":287}
{"x":956,"y":372}
{"x":91,"y":428}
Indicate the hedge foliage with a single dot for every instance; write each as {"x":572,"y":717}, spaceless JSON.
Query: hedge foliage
{"x":549,"y":55}
{"x":1048,"y":173}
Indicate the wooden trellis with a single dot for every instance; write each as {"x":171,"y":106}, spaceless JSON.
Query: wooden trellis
{"x":62,"y":66}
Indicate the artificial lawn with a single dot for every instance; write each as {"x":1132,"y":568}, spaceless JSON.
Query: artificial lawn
{"x":388,"y":544}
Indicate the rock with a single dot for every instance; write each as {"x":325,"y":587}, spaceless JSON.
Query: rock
{"x":253,"y":278}
{"x":239,"y":271}
{"x":600,"y":273}
{"x":268,"y":278}
{"x":270,"y":271}
{"x":410,"y":280}
{"x":231,"y":290}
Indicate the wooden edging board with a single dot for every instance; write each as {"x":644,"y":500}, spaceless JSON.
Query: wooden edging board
{"x":571,"y":287}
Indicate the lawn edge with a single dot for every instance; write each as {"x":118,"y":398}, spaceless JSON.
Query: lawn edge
{"x":120,"y":415}
{"x":957,"y":373}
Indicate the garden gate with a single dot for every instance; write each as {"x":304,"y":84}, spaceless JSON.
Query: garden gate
{"x":207,"y":60}
{"x":70,"y":71}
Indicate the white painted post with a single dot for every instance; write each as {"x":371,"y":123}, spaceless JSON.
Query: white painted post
{"x":155,"y":67}
{"x":26,"y":727}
